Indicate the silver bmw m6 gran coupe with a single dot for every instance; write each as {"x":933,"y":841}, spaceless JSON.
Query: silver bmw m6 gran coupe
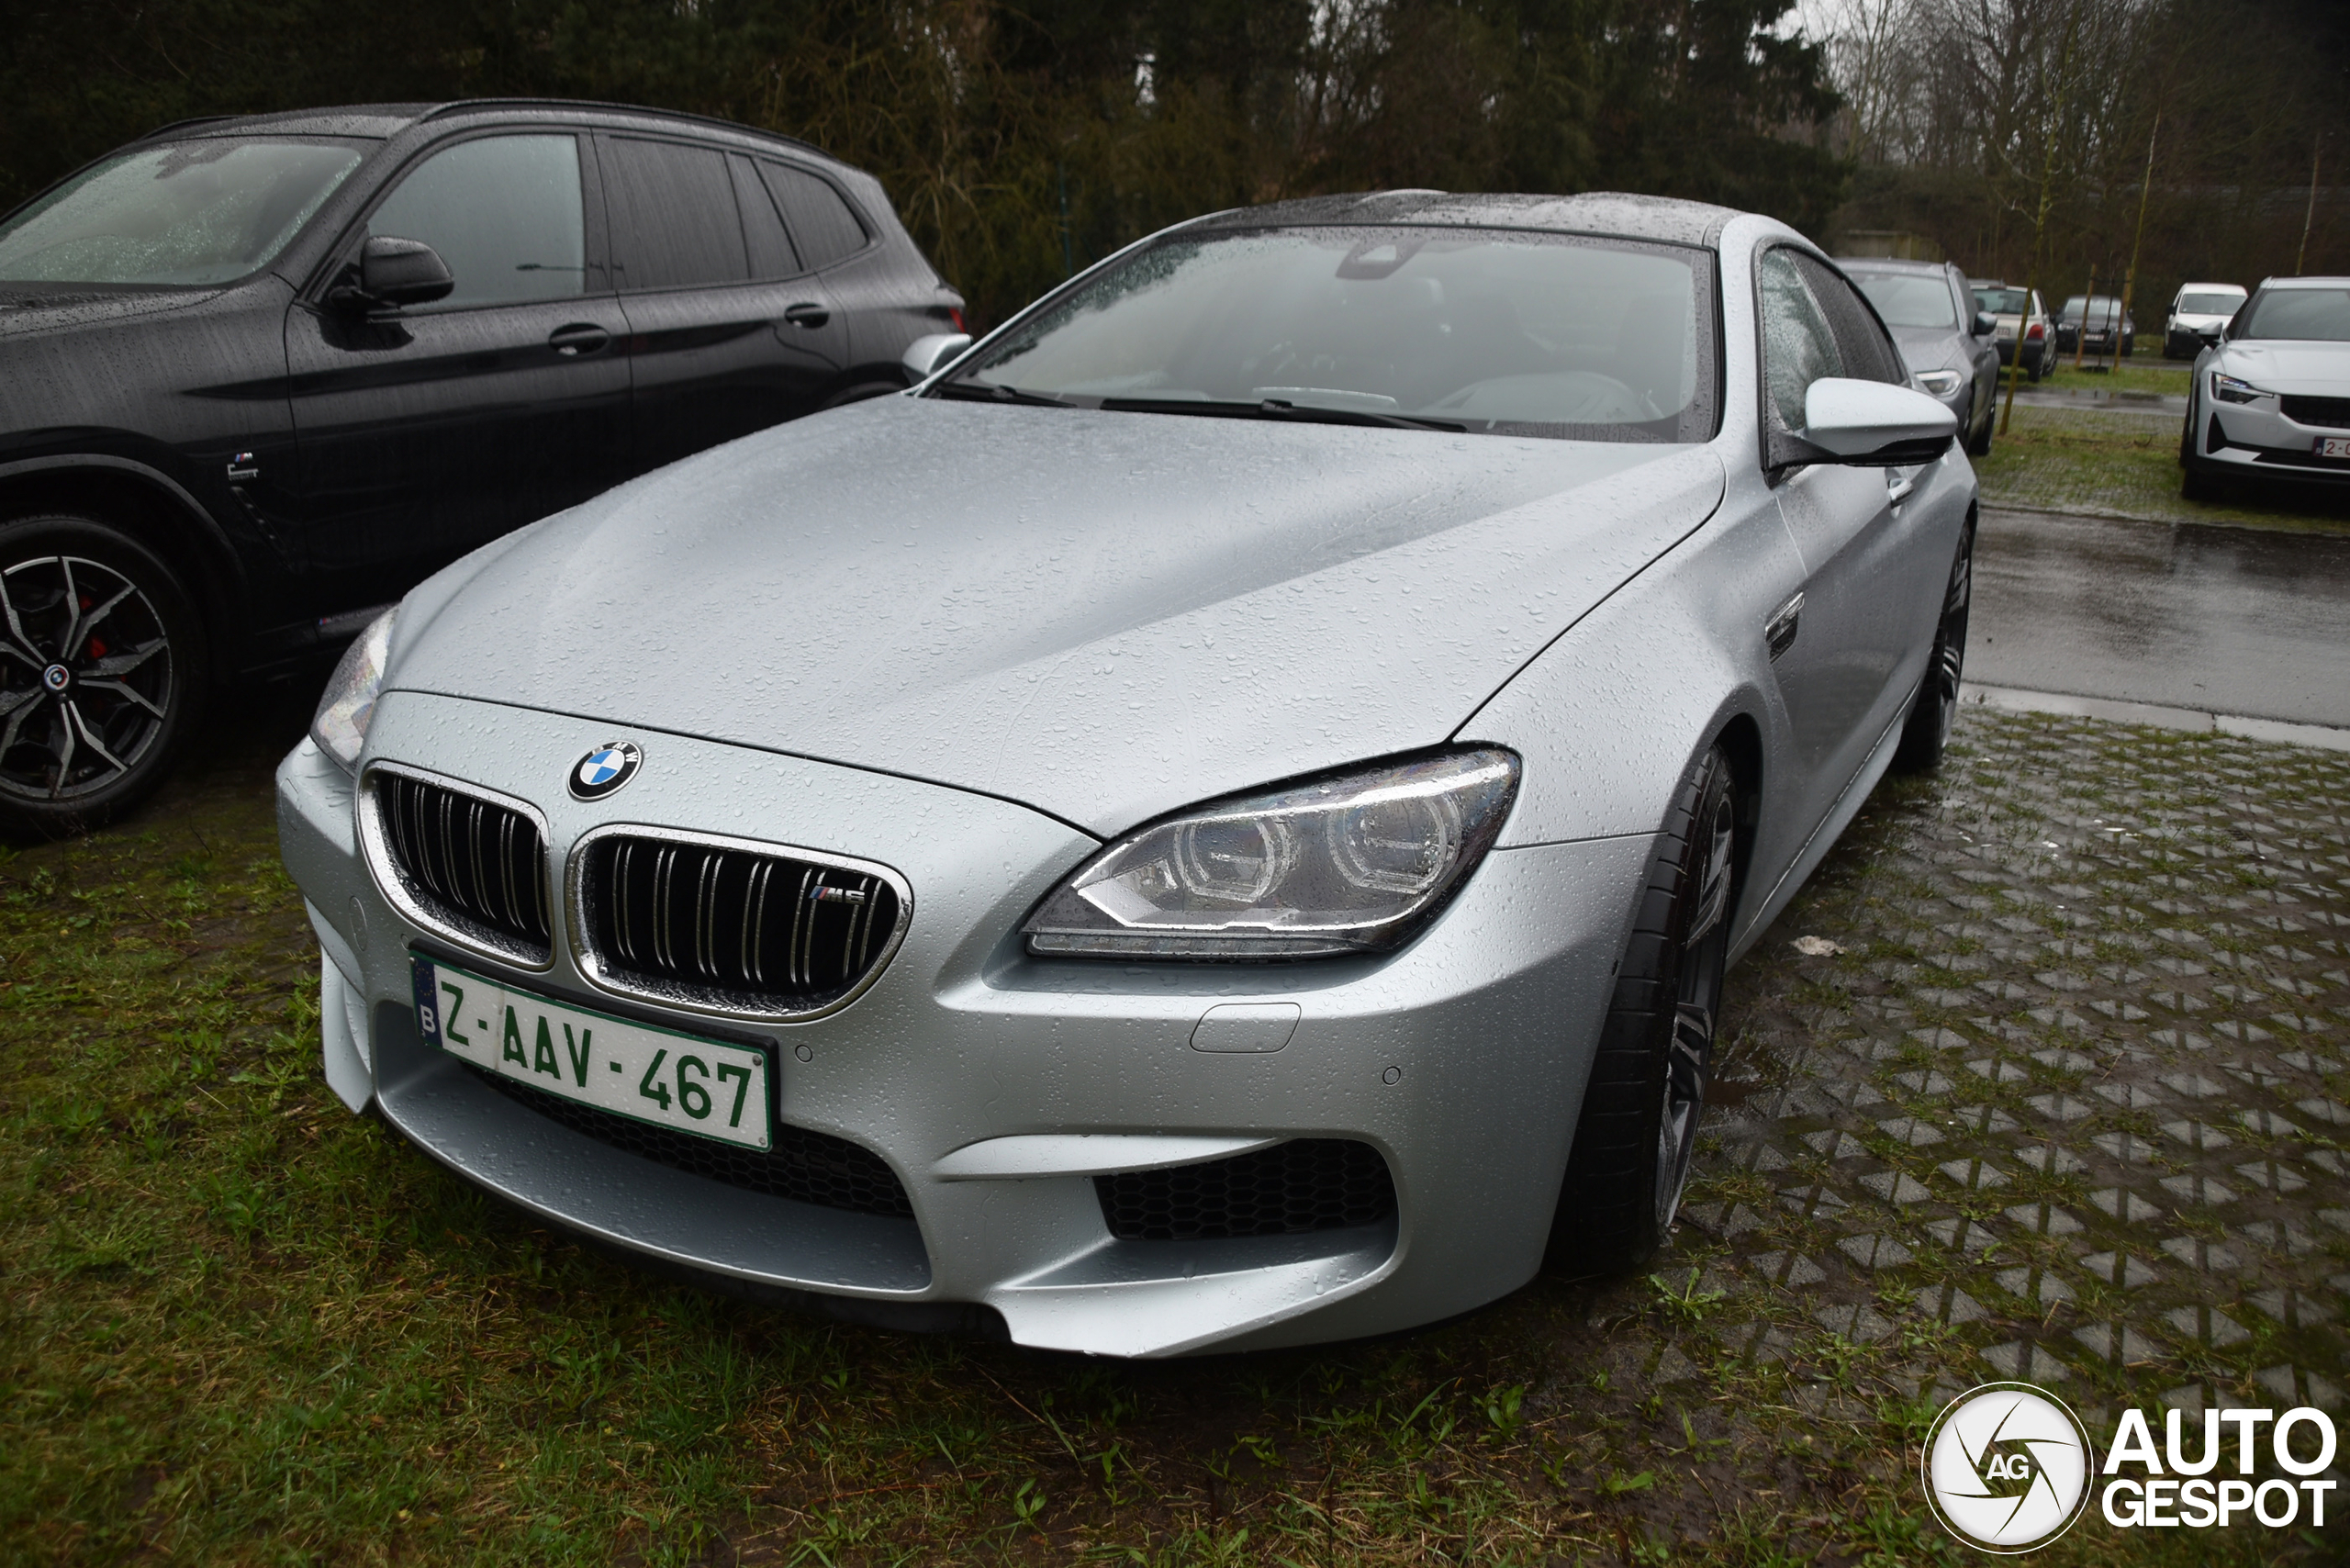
{"x":1216,"y":820}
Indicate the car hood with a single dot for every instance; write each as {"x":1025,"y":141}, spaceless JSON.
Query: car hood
{"x":30,"y":307}
{"x":1102,"y":615}
{"x":1930,"y":348}
{"x":2278,"y":366}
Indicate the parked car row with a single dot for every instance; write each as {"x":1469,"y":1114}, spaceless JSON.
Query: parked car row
{"x":260,"y":376}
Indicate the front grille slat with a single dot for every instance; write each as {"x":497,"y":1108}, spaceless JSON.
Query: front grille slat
{"x":471,"y":866}
{"x":2333,"y":413}
{"x":1305,"y":1184}
{"x":731,"y":926}
{"x":808,"y":1167}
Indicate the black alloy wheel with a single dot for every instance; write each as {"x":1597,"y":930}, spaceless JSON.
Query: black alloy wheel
{"x":101,"y":662}
{"x":1934,"y":711}
{"x":1637,"y":1130}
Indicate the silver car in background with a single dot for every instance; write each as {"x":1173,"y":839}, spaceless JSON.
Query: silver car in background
{"x":2197,"y":317}
{"x":2272,"y":400}
{"x":1947,"y":342}
{"x":2018,"y":313}
{"x":1215,"y":821}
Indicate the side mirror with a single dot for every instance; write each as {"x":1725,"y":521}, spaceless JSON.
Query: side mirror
{"x":1986,"y":323}
{"x":1866,"y":423}
{"x":392,"y":273}
{"x":929,"y":355}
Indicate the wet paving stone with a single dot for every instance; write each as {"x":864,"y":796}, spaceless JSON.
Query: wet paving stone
{"x":2062,"y":1091}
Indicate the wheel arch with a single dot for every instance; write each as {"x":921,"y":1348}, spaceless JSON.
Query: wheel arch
{"x":154,"y":509}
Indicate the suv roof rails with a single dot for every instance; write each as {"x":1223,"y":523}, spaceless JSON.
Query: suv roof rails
{"x":464,"y":106}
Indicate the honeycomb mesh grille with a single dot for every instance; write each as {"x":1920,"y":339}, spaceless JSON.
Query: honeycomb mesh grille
{"x":762,"y":931}
{"x":807,"y":1167}
{"x":469,"y":862}
{"x":2333,"y":413}
{"x":1304,"y":1185}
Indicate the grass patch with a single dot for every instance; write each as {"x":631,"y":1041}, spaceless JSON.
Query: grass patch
{"x":241,"y":1325}
{"x":2125,"y":463}
{"x":2141,"y":371}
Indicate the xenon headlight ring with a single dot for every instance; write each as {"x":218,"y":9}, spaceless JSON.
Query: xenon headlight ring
{"x":1351,"y":862}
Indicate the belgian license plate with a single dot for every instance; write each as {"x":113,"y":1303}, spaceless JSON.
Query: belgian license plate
{"x":2334,"y":446}
{"x":707,"y":1087}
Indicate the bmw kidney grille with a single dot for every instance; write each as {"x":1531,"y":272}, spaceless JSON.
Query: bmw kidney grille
{"x":726,"y":927}
{"x":470,"y":866}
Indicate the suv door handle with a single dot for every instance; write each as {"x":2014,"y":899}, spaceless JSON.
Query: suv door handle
{"x":807,"y":315}
{"x":579,"y":337}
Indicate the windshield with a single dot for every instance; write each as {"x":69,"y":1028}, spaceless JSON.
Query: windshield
{"x":1904,"y":299}
{"x":1998,"y":301}
{"x":1462,"y":328}
{"x":2210,"y":304}
{"x":193,"y":212}
{"x":2311,"y":315}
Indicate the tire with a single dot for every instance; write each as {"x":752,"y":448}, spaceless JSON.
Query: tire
{"x":1630,"y":1159}
{"x":1934,"y":710}
{"x":106,"y":681}
{"x":2196,"y":483}
{"x":1978,"y":442}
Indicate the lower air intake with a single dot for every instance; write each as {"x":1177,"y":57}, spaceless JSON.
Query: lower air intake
{"x":1306,"y":1184}
{"x":808,"y":1168}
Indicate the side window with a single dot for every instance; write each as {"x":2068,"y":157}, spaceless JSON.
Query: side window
{"x":822,"y":224}
{"x":771,"y":252}
{"x":675,"y":224}
{"x":1868,"y":353}
{"x":1798,"y":347}
{"x":503,"y":211}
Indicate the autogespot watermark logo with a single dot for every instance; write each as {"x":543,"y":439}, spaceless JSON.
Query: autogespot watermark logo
{"x":2009,"y":1467}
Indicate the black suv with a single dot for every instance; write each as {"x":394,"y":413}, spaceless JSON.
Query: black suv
{"x":258,"y":376}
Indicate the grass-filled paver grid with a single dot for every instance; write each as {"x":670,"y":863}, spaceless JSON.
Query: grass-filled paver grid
{"x":2067,"y":1105}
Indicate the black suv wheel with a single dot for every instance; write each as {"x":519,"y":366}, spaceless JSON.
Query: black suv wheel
{"x":102,"y":663}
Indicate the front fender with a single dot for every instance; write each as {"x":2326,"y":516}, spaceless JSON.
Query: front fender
{"x":1608,"y":717}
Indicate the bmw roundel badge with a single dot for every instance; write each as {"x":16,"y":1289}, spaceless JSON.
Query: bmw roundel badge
{"x":605,"y":769}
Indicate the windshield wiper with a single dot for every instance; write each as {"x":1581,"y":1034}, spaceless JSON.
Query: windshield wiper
{"x":1280,"y":408}
{"x":994,"y":392}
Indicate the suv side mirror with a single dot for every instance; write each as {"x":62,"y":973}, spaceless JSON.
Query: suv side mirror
{"x":933,"y":352}
{"x":392,"y":273}
{"x":1986,"y":323}
{"x":1866,"y":423}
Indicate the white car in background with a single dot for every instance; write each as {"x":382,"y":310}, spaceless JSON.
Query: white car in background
{"x":2196,"y":316}
{"x":2273,"y":397}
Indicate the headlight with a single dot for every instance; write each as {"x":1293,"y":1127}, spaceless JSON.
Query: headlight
{"x":1937,"y":383}
{"x":2228,"y":389}
{"x":340,"y":726}
{"x":1353,"y":864}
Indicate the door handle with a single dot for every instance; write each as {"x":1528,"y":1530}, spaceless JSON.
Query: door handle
{"x":1897,"y":485}
{"x":579,"y":337}
{"x":807,"y":315}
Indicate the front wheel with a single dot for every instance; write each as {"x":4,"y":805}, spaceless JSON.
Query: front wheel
{"x":1633,"y":1142}
{"x":102,"y":669}
{"x":1934,"y":711}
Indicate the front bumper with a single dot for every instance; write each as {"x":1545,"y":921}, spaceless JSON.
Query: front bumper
{"x":1460,"y":1059}
{"x":2260,"y":438}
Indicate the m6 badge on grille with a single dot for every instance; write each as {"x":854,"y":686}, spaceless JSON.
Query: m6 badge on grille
{"x":708,"y":1088}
